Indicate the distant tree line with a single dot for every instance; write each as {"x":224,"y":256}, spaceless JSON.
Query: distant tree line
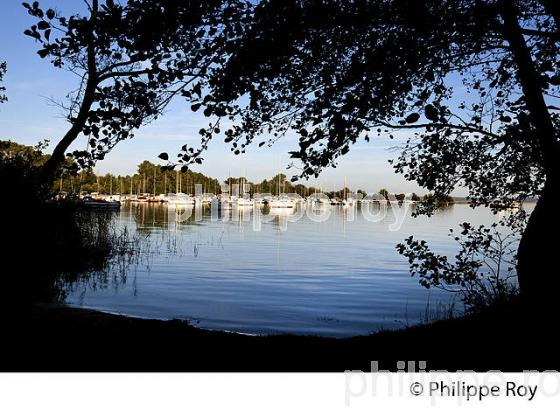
{"x":153,"y":178}
{"x":149,"y":178}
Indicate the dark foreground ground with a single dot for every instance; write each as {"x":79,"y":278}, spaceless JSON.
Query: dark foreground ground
{"x":56,"y":338}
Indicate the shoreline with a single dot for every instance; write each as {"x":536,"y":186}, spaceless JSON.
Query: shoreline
{"x":50,"y":337}
{"x":228,"y":331}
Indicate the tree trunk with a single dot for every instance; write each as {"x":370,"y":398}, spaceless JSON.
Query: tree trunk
{"x":537,"y":262}
{"x":538,"y":271}
{"x":53,"y":164}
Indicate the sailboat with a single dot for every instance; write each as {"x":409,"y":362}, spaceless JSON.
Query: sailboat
{"x":282,"y":202}
{"x":347,"y":201}
{"x":179,"y":198}
{"x":243,"y":201}
{"x":153,"y":198}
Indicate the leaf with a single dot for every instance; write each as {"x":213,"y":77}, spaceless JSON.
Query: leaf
{"x":164,"y":156}
{"x":43,"y":53}
{"x":43,"y":25}
{"x":197,"y":89}
{"x":431,"y":113}
{"x":195,"y":107}
{"x":50,"y":14}
{"x":555,"y":80}
{"x":412,"y":118}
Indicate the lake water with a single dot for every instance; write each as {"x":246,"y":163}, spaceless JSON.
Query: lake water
{"x":337,"y":277}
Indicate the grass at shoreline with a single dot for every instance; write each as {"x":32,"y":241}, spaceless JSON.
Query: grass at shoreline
{"x":58,"y":338}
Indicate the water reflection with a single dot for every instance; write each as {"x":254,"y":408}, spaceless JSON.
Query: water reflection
{"x":338,"y":276}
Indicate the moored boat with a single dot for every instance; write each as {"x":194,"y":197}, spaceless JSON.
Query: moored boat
{"x":101,"y":203}
{"x":281,"y":203}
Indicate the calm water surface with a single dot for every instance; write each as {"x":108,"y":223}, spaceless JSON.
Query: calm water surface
{"x":332,"y":278}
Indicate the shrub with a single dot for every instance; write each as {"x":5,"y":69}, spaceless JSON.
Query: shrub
{"x":483,"y":272}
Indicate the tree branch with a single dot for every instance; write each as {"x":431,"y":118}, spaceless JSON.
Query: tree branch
{"x":441,"y":125}
{"x":530,"y":32}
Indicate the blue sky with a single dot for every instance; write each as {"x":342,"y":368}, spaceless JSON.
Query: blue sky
{"x":28,"y":117}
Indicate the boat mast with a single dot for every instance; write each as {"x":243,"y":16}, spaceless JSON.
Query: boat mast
{"x":154,"y":181}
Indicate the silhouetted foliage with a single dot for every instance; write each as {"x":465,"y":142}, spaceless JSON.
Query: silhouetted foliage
{"x":18,"y":170}
{"x":132,"y":58}
{"x":483,"y":273}
{"x":46,"y":238}
{"x":334,"y":73}
{"x":3,"y":69}
{"x":473,"y":80}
